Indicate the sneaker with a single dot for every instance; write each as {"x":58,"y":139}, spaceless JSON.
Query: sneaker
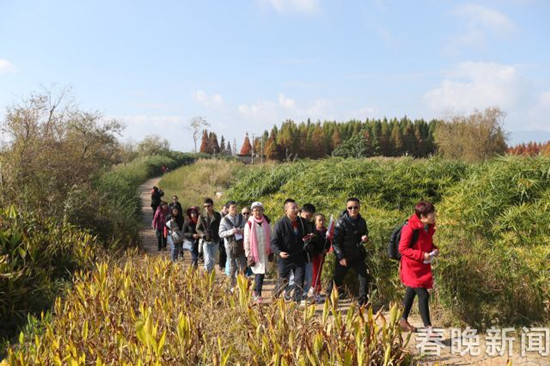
{"x":318,"y":299}
{"x":257,"y":299}
{"x":287,"y":297}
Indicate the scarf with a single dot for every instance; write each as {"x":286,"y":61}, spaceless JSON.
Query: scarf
{"x":252,"y":222}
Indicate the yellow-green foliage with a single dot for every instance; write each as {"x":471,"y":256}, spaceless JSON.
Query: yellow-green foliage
{"x":37,"y":259}
{"x":152,"y":311}
{"x":203,"y":179}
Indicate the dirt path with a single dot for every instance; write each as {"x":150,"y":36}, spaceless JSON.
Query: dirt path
{"x":441,"y":347}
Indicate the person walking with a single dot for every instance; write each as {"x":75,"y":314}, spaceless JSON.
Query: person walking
{"x":287,"y":242}
{"x":257,"y":248}
{"x":159,"y":219}
{"x":175,"y":203}
{"x":320,"y":249}
{"x":208,"y":228}
{"x":232,"y":231}
{"x":174,"y":223}
{"x":350,"y":235}
{"x":190,"y":233}
{"x":156,"y":196}
{"x":415,"y":267}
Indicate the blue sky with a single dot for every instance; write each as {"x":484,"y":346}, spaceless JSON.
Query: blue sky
{"x":246,"y":65}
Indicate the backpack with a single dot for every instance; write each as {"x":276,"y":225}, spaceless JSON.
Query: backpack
{"x":393,"y":246}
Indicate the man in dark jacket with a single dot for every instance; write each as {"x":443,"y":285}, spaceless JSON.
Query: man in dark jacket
{"x":350,"y":234}
{"x":287,"y":243}
{"x":207,"y":227}
{"x":156,"y":195}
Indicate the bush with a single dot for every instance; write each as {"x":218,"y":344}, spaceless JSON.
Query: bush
{"x":125,"y":317}
{"x":37,"y":259}
{"x":493,"y":225}
{"x":494,"y":231}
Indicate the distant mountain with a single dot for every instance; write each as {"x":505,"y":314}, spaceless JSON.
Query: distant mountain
{"x":518,"y":137}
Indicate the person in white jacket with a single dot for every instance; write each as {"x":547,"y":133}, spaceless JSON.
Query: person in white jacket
{"x":257,"y":238}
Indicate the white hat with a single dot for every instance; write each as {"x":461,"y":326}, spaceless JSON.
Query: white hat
{"x":256,"y":204}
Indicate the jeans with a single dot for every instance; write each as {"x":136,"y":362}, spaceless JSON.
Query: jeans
{"x":360,"y":268}
{"x":308,"y":274}
{"x":175,"y":249}
{"x":235,"y":263}
{"x":423,"y":298}
{"x":209,"y":249}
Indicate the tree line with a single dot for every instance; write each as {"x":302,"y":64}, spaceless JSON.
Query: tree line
{"x":474,"y":137}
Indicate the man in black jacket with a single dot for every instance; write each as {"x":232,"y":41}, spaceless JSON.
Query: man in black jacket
{"x":350,"y":234}
{"x":287,"y":243}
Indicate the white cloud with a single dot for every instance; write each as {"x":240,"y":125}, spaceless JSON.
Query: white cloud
{"x":308,"y":7}
{"x":539,"y":115}
{"x":6,"y":67}
{"x":270,"y":112}
{"x":480,"y":22}
{"x":215,"y":101}
{"x":286,"y":102}
{"x":477,"y":85}
{"x":172,"y":128}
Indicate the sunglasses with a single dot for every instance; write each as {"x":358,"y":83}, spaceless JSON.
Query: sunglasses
{"x":353,"y":208}
{"x":246,"y":213}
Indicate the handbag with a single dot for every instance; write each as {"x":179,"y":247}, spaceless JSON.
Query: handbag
{"x":175,"y":233}
{"x":236,"y":246}
{"x":187,"y":245}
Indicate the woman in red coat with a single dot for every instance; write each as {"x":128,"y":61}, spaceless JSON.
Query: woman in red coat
{"x":416,"y":257}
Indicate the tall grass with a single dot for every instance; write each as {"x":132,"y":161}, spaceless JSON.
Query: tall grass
{"x":151,"y":311}
{"x":206,"y":178}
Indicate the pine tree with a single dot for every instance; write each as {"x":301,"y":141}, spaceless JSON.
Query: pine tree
{"x":318,"y":147}
{"x":272,"y":149}
{"x":396,"y":140}
{"x":213,"y":143}
{"x":222,"y":145}
{"x":205,"y":146}
{"x":246,"y":149}
{"x":336,"y":139}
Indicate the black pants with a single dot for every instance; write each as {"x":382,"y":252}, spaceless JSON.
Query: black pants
{"x":423,"y":298}
{"x":285,"y":266}
{"x":161,"y":240}
{"x":360,"y":268}
{"x":223,"y":255}
{"x":258,"y":283}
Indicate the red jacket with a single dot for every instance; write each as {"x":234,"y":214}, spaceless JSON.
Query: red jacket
{"x":159,"y":220}
{"x":413,"y":272}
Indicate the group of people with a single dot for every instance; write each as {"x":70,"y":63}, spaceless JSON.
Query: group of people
{"x":246,"y":241}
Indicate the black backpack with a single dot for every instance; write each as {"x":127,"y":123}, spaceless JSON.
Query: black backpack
{"x":393,"y":246}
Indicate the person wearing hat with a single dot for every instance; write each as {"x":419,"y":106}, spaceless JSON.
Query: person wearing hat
{"x":257,"y":239}
{"x":190,"y":233}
